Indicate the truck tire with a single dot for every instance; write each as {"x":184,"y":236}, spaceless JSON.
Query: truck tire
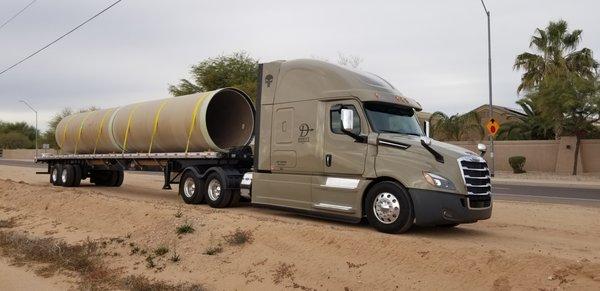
{"x":235,"y":198}
{"x":67,"y":176}
{"x":120,"y":176}
{"x":215,"y":189}
{"x":77,"y":177}
{"x":101,"y":177}
{"x":389,"y":208}
{"x":55,"y":174}
{"x":190,"y":188}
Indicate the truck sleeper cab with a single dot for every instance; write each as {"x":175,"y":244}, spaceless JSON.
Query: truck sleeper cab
{"x":347,"y":145}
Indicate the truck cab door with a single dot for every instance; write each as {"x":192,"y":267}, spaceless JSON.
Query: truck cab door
{"x":337,"y":189}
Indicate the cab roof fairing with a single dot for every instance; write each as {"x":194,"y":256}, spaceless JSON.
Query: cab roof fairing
{"x":307,"y":79}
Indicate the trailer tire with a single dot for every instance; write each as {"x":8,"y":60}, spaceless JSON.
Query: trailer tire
{"x":101,"y":177}
{"x":389,"y":208}
{"x":77,"y":177}
{"x":67,"y":176}
{"x":55,"y":173}
{"x":217,"y":193}
{"x":120,"y":177}
{"x":190,"y":188}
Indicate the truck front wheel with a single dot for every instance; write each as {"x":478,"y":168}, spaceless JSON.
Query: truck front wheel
{"x":389,"y":208}
{"x":190,"y":188}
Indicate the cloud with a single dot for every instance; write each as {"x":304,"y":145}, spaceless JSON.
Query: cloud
{"x":434,"y":51}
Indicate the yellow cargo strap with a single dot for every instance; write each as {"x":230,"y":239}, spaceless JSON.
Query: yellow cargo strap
{"x":81,"y":130}
{"x":155,"y":128}
{"x":64,"y":135}
{"x":193,"y":124}
{"x":101,"y":128}
{"x":128,"y":127}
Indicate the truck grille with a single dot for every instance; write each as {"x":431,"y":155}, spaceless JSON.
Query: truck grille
{"x":476,"y":175}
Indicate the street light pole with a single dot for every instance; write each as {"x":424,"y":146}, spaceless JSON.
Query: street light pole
{"x":36,"y":125}
{"x":491,"y":109}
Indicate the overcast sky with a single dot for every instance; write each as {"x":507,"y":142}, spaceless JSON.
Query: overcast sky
{"x":433,"y":51}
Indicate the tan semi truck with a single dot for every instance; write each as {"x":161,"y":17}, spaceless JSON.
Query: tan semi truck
{"x":328,"y":141}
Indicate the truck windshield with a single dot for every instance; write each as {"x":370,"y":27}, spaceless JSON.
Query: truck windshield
{"x":385,"y":117}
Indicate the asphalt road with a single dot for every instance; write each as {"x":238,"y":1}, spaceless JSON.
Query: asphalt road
{"x":550,"y":194}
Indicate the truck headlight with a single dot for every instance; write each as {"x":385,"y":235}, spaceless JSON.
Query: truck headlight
{"x":438,"y":181}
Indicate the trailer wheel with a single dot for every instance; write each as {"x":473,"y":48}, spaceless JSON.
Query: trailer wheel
{"x":190,"y":188}
{"x":389,"y":208}
{"x":215,"y":188}
{"x":67,"y":176}
{"x":55,"y":173}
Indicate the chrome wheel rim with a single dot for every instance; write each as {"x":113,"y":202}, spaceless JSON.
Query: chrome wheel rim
{"x":189,"y":187}
{"x":63,"y":176}
{"x":55,"y":174}
{"x":214,"y":189}
{"x":386,"y":208}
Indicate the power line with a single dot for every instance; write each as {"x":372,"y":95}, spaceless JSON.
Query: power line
{"x":61,"y":37}
{"x":18,"y":13}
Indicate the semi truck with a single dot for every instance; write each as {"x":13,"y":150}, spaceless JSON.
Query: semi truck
{"x":320,"y":139}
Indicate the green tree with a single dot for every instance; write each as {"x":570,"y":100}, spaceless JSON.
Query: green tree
{"x":22,"y":127}
{"x":558,"y":56}
{"x":456,"y":127}
{"x":237,"y":70}
{"x":557,"y":51}
{"x":14,"y":140}
{"x":531,"y":126}
{"x":575,"y":99}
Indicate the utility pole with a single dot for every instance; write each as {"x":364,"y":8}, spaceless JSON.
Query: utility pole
{"x":36,"y":125}
{"x":487,"y":13}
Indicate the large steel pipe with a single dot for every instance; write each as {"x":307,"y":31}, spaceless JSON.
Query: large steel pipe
{"x":210,"y":121}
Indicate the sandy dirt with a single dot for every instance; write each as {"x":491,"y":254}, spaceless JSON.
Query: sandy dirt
{"x":524,"y":245}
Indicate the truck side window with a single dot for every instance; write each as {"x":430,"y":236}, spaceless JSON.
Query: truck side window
{"x":336,"y":122}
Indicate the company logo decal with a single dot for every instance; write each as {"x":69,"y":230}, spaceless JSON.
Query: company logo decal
{"x":304,"y":130}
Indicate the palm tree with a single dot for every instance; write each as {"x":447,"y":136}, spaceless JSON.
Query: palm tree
{"x":530,"y":126}
{"x":557,"y":52}
{"x":456,"y":127}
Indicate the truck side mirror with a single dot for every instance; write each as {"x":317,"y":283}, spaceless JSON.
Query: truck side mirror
{"x":347,"y":116}
{"x":482,"y":149}
{"x":426,"y":126}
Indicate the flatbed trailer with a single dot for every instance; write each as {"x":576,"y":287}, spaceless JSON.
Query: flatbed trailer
{"x":107,"y":169}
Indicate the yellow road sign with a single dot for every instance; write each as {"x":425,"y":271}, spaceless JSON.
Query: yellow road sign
{"x":493,"y":126}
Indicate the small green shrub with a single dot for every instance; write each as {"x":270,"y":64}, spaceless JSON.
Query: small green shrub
{"x":239,"y":237}
{"x":517,"y":163}
{"x":185,"y":228}
{"x":213,"y":250}
{"x":162,"y":250}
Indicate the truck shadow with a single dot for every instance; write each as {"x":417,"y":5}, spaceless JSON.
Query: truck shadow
{"x":363,"y":225}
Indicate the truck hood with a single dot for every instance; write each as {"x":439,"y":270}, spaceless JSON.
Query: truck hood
{"x":448,"y":151}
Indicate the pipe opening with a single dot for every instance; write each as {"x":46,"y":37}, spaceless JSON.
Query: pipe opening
{"x":230,"y":119}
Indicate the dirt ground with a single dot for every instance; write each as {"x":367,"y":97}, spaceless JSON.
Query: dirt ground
{"x":524,"y":245}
